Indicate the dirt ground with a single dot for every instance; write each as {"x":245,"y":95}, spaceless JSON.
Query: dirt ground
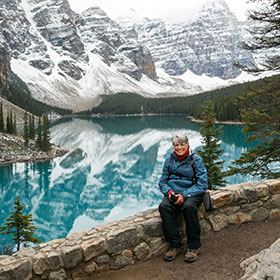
{"x":220,"y":256}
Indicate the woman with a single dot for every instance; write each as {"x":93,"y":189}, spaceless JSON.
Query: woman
{"x":183,"y":180}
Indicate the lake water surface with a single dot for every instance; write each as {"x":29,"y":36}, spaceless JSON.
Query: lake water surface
{"x":111,"y":171}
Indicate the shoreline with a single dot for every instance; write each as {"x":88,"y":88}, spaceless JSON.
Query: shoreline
{"x":192,"y":119}
{"x":30,"y":159}
{"x":124,"y":115}
{"x":13,"y":150}
{"x":218,"y":122}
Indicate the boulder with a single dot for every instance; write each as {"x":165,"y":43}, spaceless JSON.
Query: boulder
{"x":265,"y":265}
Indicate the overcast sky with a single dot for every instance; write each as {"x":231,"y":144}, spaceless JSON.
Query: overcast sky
{"x":174,"y":9}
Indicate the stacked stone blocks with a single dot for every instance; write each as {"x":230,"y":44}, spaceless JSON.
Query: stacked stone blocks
{"x":138,"y":238}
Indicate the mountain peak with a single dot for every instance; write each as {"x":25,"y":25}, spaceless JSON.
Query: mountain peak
{"x":95,"y":10}
{"x":215,"y":6}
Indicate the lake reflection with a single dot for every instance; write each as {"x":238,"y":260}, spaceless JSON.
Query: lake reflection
{"x":111,"y":171}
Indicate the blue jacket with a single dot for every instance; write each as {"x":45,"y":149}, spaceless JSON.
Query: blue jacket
{"x":180,"y":180}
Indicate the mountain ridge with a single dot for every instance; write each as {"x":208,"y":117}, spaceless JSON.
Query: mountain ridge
{"x":69,"y":60}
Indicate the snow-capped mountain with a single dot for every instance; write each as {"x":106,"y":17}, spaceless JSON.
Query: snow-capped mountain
{"x":69,"y":59}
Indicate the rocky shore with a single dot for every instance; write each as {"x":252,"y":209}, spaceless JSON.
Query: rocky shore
{"x":12,"y":149}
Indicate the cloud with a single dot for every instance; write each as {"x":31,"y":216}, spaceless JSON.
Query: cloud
{"x":176,"y":9}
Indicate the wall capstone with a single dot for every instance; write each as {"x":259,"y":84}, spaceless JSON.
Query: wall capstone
{"x":137,"y":238}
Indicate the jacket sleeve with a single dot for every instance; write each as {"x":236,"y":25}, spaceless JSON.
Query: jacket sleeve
{"x":163,"y":182}
{"x":201,"y":184}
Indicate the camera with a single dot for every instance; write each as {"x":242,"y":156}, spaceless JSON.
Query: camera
{"x":173,"y":198}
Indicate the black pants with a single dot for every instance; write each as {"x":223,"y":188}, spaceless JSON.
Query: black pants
{"x":169,"y":213}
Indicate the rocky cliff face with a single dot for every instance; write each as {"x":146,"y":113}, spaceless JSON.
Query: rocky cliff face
{"x":32,"y":29}
{"x":105,"y":38}
{"x":36,"y":28}
{"x":69,"y":60}
{"x":209,"y":44}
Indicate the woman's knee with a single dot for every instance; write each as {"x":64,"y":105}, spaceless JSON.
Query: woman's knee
{"x":164,"y":205}
{"x":189,"y":206}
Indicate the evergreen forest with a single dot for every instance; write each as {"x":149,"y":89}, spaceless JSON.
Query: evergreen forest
{"x":225,"y":100}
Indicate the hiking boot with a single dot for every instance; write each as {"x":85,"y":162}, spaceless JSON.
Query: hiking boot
{"x":191,"y":255}
{"x":171,"y":254}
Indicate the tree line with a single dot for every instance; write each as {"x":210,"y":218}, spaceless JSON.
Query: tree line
{"x":130,"y":103}
{"x":11,"y":124}
{"x":225,"y":101}
{"x":43,"y":131}
{"x":42,"y":138}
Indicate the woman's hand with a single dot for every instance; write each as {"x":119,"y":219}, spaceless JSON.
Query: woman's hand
{"x":169,"y":195}
{"x":180,"y":199}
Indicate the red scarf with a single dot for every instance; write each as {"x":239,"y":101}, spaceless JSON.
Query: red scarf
{"x":180,"y":158}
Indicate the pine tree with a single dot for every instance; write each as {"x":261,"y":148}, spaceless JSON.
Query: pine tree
{"x":211,"y":148}
{"x":29,"y":126}
{"x":39,"y":136}
{"x":260,"y":113}
{"x":11,"y":126}
{"x":261,"y":117}
{"x":25,"y":129}
{"x":2,"y":127}
{"x":46,"y":134}
{"x":20,"y":226}
{"x":15,"y":124}
{"x":265,"y":35}
{"x":32,"y":134}
{"x":8,"y":122}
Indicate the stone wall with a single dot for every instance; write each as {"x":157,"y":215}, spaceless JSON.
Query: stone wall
{"x":137,"y":238}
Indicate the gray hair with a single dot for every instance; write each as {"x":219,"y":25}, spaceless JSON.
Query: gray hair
{"x":180,"y":138}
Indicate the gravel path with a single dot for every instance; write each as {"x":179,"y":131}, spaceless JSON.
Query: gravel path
{"x":220,"y":257}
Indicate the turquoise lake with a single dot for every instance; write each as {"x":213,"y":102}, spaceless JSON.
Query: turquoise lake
{"x":111,"y":171}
